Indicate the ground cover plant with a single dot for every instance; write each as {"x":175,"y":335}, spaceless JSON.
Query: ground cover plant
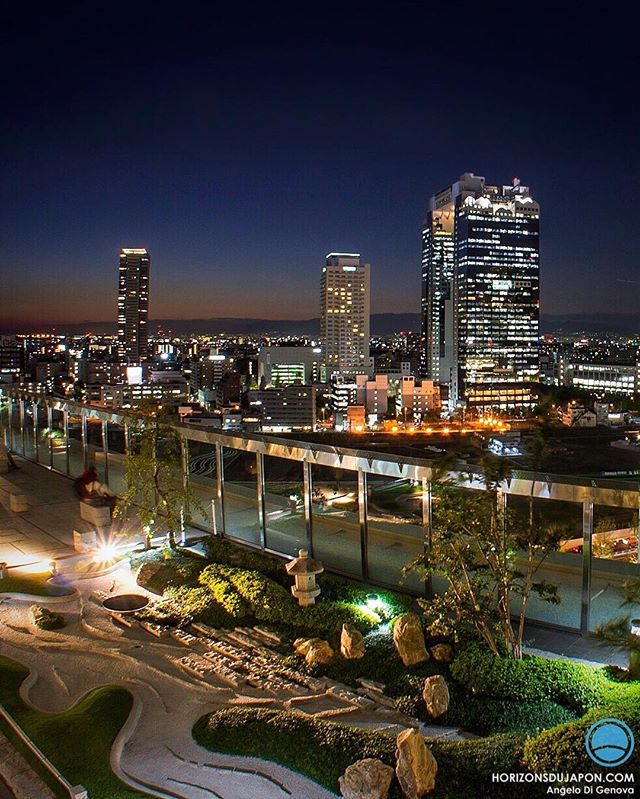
{"x":36,"y":584}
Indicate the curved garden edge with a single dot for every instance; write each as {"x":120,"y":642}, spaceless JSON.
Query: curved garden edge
{"x":43,"y":599}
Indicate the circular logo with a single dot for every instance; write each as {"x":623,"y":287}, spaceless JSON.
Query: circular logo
{"x":609,"y":742}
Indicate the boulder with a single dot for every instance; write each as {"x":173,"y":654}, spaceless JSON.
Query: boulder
{"x":315,"y":650}
{"x":366,"y":779}
{"x":416,"y":767}
{"x":408,"y":639}
{"x":148,"y":571}
{"x":351,"y":643}
{"x":436,"y":695}
{"x":46,"y":619}
{"x":442,"y":653}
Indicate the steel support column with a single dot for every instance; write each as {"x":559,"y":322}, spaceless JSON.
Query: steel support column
{"x":184,"y":461}
{"x":262,"y":515}
{"x":36,"y":451}
{"x":220,"y":486}
{"x":362,"y":522}
{"x":307,"y":490}
{"x":50,"y":428}
{"x":427,"y":527}
{"x":105,"y":449}
{"x":65,"y":428}
{"x":85,"y":441}
{"x":587,"y":535}
{"x":21,"y":417}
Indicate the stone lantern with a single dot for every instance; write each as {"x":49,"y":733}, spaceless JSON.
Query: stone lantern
{"x":4,"y":570}
{"x":304,"y":570}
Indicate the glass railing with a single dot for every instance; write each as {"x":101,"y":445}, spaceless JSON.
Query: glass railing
{"x":364,"y":514}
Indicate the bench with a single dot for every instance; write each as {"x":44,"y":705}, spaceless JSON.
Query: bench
{"x":97,"y":515}
{"x":18,"y":502}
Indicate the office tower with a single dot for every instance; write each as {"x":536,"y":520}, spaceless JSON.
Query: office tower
{"x":344,"y":314}
{"x":133,"y":305}
{"x":480,"y":295}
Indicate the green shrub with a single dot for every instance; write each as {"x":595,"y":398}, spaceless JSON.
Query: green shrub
{"x":392,"y":604}
{"x":183,"y":604}
{"x":46,"y":619}
{"x":486,"y":716}
{"x":574,"y":685}
{"x":322,"y":750}
{"x":269,"y":602}
{"x":563,"y":748}
{"x":224,"y":552}
{"x":157,"y":574}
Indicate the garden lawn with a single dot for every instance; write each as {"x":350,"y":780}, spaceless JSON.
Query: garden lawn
{"x":78,"y":742}
{"x":36,"y":584}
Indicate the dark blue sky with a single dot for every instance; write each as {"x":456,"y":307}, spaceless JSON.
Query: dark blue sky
{"x":240,"y":149}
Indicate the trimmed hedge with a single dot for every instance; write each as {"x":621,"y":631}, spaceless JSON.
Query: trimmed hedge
{"x":224,"y":552}
{"x":576,"y":686}
{"x":563,"y":748}
{"x":267,"y":601}
{"x":322,"y":751}
{"x":486,"y":716}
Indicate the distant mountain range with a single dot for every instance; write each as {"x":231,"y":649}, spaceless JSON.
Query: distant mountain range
{"x":382,"y":324}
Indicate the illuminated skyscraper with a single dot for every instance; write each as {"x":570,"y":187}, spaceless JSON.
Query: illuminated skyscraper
{"x":480,"y":296}
{"x":344,"y":314}
{"x":133,"y":305}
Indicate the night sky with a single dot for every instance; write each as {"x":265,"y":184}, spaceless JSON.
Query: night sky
{"x":240,"y":150}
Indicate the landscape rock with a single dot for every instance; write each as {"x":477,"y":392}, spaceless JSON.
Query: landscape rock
{"x":351,"y":643}
{"x":416,"y":767}
{"x":442,"y":653}
{"x":316,"y":651}
{"x":408,"y":640}
{"x":366,"y":779}
{"x":436,"y":695}
{"x":46,"y":619}
{"x":148,"y":571}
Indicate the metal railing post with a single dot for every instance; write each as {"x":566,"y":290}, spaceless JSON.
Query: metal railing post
{"x":307,"y":490}
{"x":587,"y":536}
{"x":261,"y":489}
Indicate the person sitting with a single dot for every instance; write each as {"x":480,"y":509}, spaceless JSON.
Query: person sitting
{"x":91,"y":490}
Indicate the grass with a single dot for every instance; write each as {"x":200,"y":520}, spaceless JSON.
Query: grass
{"x":21,"y":583}
{"x":78,"y":742}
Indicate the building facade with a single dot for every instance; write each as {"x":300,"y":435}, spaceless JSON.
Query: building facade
{"x":133,"y":305}
{"x":601,"y":378}
{"x":480,"y":312}
{"x":344,"y":314}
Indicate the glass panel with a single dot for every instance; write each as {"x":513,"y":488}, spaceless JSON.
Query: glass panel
{"x":116,"y":456}
{"x":616,"y":559}
{"x":14,"y":421}
{"x":394,"y":529}
{"x":95,"y":450}
{"x":561,"y":568}
{"x":56,"y":438}
{"x":203,"y":481}
{"x":29,"y":450}
{"x":284,"y":505}
{"x":241,"y":495}
{"x":76,"y":455}
{"x":336,"y":531}
{"x":43,"y":436}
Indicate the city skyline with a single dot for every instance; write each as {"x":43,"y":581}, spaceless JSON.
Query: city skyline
{"x":234,"y":167}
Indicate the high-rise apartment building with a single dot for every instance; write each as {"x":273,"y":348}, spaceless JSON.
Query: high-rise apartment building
{"x":480,"y":293}
{"x":133,"y":305}
{"x":344,"y":314}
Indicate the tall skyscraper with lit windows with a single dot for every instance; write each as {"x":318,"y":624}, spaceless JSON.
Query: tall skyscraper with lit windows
{"x":480,"y":295}
{"x":344,"y":314}
{"x":133,"y":305}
